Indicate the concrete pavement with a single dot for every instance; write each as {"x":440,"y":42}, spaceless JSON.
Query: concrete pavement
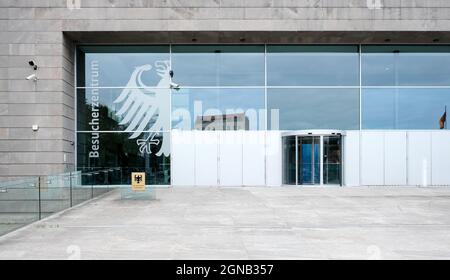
{"x":246,"y":223}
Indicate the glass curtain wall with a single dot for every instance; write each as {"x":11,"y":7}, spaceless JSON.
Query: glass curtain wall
{"x":123,"y":111}
{"x":222,"y":87}
{"x":404,"y":87}
{"x":313,"y":87}
{"x":130,"y":97}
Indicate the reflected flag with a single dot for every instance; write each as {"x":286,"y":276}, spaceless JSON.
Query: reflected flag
{"x":443,"y":119}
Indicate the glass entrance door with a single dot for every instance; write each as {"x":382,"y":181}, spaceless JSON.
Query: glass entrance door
{"x":332,"y":160}
{"x":312,"y":160}
{"x":289,"y":160}
{"x":308,"y":160}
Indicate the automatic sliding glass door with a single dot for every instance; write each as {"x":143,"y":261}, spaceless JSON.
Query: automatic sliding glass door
{"x":312,"y":160}
{"x":308,"y":160}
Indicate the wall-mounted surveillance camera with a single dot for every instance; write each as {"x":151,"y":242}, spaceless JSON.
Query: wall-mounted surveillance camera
{"x":32,"y":77}
{"x":33,"y":64}
{"x":174,"y":86}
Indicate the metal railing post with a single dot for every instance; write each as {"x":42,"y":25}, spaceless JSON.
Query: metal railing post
{"x":70,"y":188}
{"x":39,"y":197}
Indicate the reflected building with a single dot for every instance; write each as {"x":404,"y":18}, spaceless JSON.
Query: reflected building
{"x":222,"y":122}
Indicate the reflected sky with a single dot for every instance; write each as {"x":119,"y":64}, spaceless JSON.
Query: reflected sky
{"x":406,"y":66}
{"x":403,"y":108}
{"x":115,"y":69}
{"x":315,"y":108}
{"x":312,"y":66}
{"x":218,"y":65}
{"x":212,"y":101}
{"x":223,"y":66}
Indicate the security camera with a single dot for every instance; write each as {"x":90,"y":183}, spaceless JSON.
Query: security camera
{"x":32,"y":77}
{"x":174,"y":86}
{"x":33,"y":64}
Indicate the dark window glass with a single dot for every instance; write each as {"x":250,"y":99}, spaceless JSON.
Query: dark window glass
{"x":217,"y":65}
{"x":312,"y":65}
{"x":313,"y":108}
{"x":404,"y":108}
{"x":117,"y":153}
{"x":332,"y":160}
{"x":217,"y":109}
{"x":289,"y":161}
{"x":405,"y":65}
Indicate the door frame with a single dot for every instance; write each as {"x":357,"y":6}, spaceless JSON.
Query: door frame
{"x":320,"y":133}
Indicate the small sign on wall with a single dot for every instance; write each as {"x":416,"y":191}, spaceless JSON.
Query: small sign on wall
{"x":138,"y":181}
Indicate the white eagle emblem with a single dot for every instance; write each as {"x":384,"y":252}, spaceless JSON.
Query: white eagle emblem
{"x":147,"y":109}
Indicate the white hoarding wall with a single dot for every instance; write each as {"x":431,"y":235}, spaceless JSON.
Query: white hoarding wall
{"x":402,"y":158}
{"x":226,"y":158}
{"x":254,"y":158}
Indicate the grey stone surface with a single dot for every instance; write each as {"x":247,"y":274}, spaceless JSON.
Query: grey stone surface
{"x":247,"y":223}
{"x":46,"y":31}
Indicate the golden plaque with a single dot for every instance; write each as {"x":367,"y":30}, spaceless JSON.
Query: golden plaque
{"x":138,"y":181}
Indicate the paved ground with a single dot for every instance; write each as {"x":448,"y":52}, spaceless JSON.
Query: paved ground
{"x":246,"y":223}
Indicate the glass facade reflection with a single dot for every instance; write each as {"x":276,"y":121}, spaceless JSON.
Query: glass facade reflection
{"x":117,"y":152}
{"x":405,"y":65}
{"x":404,"y":108}
{"x":192,"y":105}
{"x":130,"y":97}
{"x":312,"y":65}
{"x":314,"y":108}
{"x":123,"y":111}
{"x":218,"y":65}
{"x":111,"y":66}
{"x":404,"y":87}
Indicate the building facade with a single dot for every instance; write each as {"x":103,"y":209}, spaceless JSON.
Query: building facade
{"x":229,"y":93}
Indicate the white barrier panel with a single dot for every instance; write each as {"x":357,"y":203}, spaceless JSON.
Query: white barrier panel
{"x":253,"y":158}
{"x":183,"y":158}
{"x":351,"y":158}
{"x":440,"y":144}
{"x":372,"y":158}
{"x":273,"y":158}
{"x":395,"y":158}
{"x":230,"y":158}
{"x":419,"y":158}
{"x":206,"y":153}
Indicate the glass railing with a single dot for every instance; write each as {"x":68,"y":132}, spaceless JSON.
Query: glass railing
{"x":156,"y":175}
{"x":120,"y":177}
{"x":24,"y":201}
